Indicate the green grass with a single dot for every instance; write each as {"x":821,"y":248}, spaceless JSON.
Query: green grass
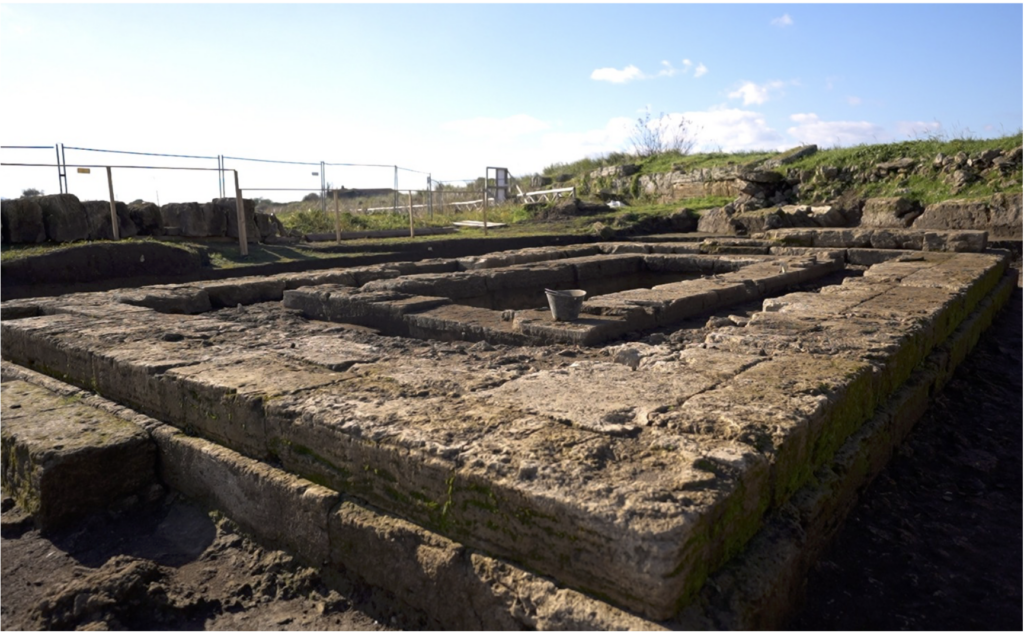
{"x":313,"y":220}
{"x":867,"y":156}
{"x":927,"y":187}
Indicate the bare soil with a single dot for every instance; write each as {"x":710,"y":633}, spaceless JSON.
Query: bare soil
{"x":935,"y":543}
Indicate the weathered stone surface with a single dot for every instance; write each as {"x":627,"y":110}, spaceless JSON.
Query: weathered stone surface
{"x":269,"y":226}
{"x":790,"y":156}
{"x":64,"y":217}
{"x":283,"y":510}
{"x":226,"y":209}
{"x":965,"y":241}
{"x":1000,"y":215}
{"x":100,"y":225}
{"x":197,"y":220}
{"x":169,"y":300}
{"x":22,"y":221}
{"x":716,"y":221}
{"x":641,"y":518}
{"x":895,"y":212}
{"x":147,"y":218}
{"x":63,"y":460}
{"x":581,"y":395}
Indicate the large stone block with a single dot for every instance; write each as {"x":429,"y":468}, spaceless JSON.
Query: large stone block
{"x":22,"y":221}
{"x":65,"y":218}
{"x":63,"y":460}
{"x":100,"y":224}
{"x":147,"y":218}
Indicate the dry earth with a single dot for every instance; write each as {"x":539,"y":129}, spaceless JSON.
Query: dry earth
{"x":934,"y":544}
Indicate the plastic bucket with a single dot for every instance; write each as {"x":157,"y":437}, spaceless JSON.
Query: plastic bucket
{"x":565,"y":304}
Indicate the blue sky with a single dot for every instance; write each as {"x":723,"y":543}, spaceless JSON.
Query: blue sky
{"x":452,"y":89}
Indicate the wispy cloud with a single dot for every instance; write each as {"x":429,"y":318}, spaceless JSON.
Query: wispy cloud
{"x":918,"y":129}
{"x":810,"y":129}
{"x":733,"y":130}
{"x":495,"y":127}
{"x":667,"y":70}
{"x":617,"y":76}
{"x":853,"y":100}
{"x":632,"y":73}
{"x":752,"y":93}
{"x":783,"y":21}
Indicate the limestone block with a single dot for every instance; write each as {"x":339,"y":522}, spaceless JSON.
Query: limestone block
{"x":22,"y":221}
{"x":285,"y":511}
{"x":225,"y":399}
{"x":147,"y":218}
{"x":63,"y":460}
{"x":100,"y":226}
{"x":64,"y":217}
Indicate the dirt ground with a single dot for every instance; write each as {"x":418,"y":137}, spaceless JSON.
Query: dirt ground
{"x":934,"y":544}
{"x":935,"y":541}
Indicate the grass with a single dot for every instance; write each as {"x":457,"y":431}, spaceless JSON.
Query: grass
{"x":314,"y":220}
{"x":927,"y":187}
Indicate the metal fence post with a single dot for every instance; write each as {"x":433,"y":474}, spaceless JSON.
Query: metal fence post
{"x":394,"y":204}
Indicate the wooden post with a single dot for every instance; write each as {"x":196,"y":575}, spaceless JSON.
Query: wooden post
{"x":412,"y":231}
{"x":113,"y":206}
{"x":485,"y":206}
{"x":337,"y":219}
{"x":243,"y":240}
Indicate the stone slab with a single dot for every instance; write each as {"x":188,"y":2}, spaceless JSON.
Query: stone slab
{"x":63,"y":460}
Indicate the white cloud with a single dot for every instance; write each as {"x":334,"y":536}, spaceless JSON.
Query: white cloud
{"x":918,"y":129}
{"x":733,"y":130}
{"x":810,"y":129}
{"x":616,"y":76}
{"x":853,"y":100}
{"x":570,"y":146}
{"x":752,"y":93}
{"x":783,"y":21}
{"x":497,"y":128}
{"x":667,"y":70}
{"x":631,"y":72}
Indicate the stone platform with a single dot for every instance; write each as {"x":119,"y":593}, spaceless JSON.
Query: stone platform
{"x":630,"y":472}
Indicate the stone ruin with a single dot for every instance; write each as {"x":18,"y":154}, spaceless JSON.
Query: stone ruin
{"x":676,"y":457}
{"x":62,"y":218}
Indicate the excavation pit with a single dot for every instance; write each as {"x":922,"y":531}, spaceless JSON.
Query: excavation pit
{"x":631,"y":472}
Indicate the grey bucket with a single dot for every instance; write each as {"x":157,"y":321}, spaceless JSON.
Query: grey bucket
{"x":565,"y":303}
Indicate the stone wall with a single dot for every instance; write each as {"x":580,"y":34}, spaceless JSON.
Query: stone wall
{"x":62,"y":218}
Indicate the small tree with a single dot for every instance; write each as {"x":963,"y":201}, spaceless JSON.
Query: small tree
{"x":31,"y":192}
{"x":312,"y":196}
{"x":651,"y":138}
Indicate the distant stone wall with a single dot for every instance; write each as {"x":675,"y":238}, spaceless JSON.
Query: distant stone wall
{"x":62,"y":218}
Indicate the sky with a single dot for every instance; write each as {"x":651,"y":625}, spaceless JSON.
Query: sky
{"x":447,"y":90}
